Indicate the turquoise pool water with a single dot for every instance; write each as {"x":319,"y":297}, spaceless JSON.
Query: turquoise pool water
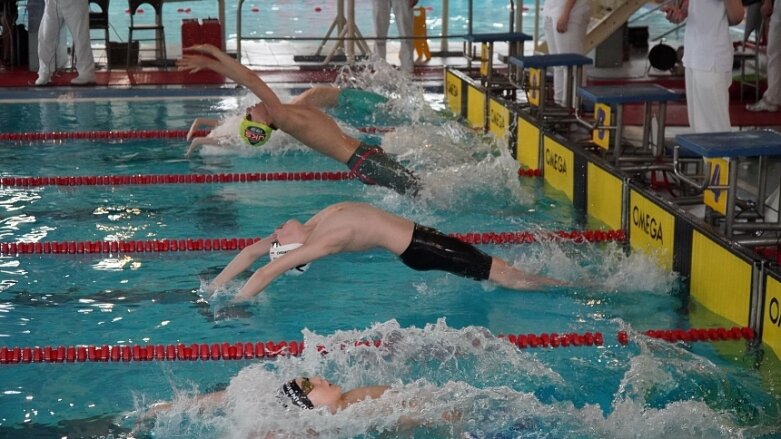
{"x":438,"y":331}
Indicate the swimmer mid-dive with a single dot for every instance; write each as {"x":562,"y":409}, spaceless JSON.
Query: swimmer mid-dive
{"x":351,"y":227}
{"x":360,"y":104}
{"x":306,"y":123}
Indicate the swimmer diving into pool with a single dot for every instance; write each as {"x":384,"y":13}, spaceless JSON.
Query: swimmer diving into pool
{"x":345,"y":104}
{"x":353,"y":227}
{"x":306,"y":123}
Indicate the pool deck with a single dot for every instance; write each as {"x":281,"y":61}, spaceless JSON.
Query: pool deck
{"x":278,"y":62}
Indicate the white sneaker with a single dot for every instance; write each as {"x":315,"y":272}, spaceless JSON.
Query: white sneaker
{"x":43,"y":79}
{"x":762,"y":105}
{"x":83,"y":80}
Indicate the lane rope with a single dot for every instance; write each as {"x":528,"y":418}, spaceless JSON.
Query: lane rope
{"x":130,"y":134}
{"x":219,"y":244}
{"x":270,"y":349}
{"x":142,"y":179}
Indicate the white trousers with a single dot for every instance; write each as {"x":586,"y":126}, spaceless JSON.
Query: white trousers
{"x":567,"y":42}
{"x":403,"y":14}
{"x":707,"y":100}
{"x":773,"y":92}
{"x":75,"y":15}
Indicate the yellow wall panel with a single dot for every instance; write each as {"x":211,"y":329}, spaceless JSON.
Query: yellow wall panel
{"x":453,"y":86}
{"x":603,"y":192}
{"x":475,"y":107}
{"x":720,"y":280}
{"x":527,"y":146}
{"x":559,"y":166}
{"x":771,"y":317}
{"x":498,"y":119}
{"x":651,"y":229}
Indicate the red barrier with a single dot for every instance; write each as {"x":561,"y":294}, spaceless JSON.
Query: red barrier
{"x":206,"y":244}
{"x":270,"y":349}
{"x":119,"y":180}
{"x":127,"y":134}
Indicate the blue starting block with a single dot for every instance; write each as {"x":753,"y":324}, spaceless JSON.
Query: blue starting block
{"x":608,"y":99}
{"x":515,"y":41}
{"x":537,"y":66}
{"x":722,"y":153}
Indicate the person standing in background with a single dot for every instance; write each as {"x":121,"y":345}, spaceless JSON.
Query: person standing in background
{"x":771,"y":100}
{"x":565,"y":23}
{"x":402,"y":10}
{"x":707,"y":57}
{"x":75,"y":15}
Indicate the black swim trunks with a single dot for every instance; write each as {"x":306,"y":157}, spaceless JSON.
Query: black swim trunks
{"x":433,"y":250}
{"x":372,"y":166}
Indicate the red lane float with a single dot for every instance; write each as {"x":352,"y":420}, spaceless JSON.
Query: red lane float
{"x":143,"y":179}
{"x":98,"y":135}
{"x":219,"y":244}
{"x":270,"y":349}
{"x":127,"y":134}
{"x":530,"y":173}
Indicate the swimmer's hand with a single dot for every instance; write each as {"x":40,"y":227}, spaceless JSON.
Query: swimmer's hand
{"x":206,"y":49}
{"x":194,"y":145}
{"x":194,"y":63}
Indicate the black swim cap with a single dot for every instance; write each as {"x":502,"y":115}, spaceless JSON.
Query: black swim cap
{"x":292,"y":390}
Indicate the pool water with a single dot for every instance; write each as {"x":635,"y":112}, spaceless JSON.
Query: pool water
{"x":438,"y":331}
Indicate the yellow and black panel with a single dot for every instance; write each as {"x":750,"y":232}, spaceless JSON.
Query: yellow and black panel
{"x":720,"y":279}
{"x":716,"y":199}
{"x":651,"y":228}
{"x":682,"y":249}
{"x":527,"y":144}
{"x":475,"y":107}
{"x":454,"y":94}
{"x":499,"y":119}
{"x":535,"y":80}
{"x":603,"y":116}
{"x":558,"y":166}
{"x":771,"y":315}
{"x":604,"y":195}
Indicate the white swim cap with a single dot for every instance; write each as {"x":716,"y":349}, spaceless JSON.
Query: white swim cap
{"x":278,"y":250}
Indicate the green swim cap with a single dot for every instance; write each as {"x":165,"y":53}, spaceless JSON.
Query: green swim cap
{"x":254,"y":133}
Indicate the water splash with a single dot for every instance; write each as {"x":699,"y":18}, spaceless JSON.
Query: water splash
{"x":448,"y":382}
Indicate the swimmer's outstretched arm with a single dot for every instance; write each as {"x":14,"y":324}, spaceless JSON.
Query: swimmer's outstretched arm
{"x":201,"y":122}
{"x":227,"y":66}
{"x":246,"y":257}
{"x":266,"y":274}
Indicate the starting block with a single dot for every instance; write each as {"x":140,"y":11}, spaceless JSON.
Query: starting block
{"x":488,"y":77}
{"x":530,"y":73}
{"x":609,"y":104}
{"x":722,"y":154}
